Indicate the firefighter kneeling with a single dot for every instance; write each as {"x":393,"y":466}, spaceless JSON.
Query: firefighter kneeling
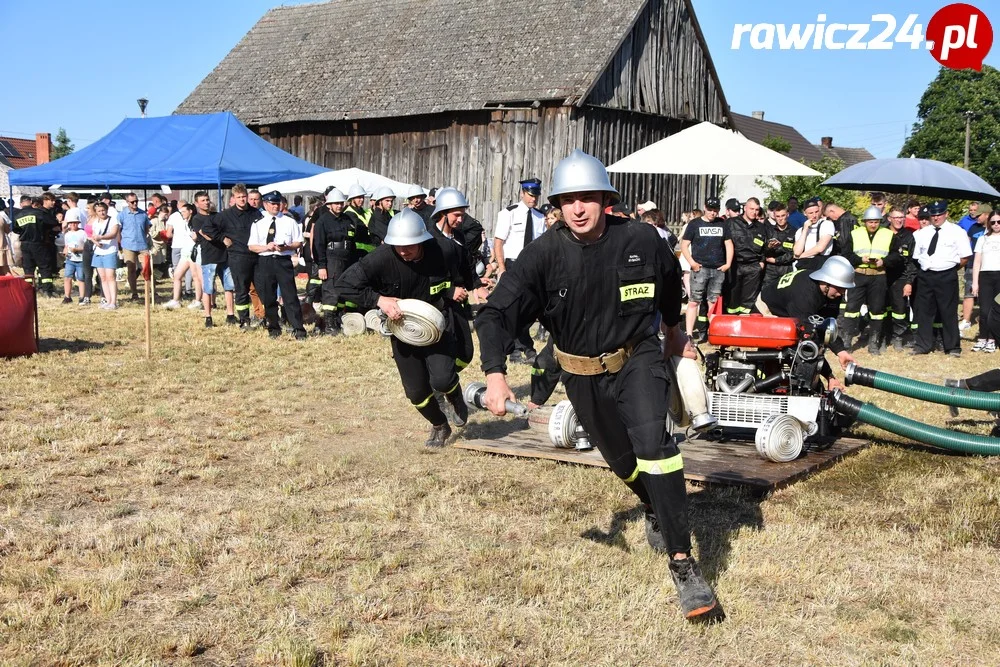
{"x":412,"y":264}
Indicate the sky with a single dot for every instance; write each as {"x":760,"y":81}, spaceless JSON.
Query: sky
{"x":161,"y":51}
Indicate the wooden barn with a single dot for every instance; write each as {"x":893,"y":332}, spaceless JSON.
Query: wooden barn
{"x":475,"y":94}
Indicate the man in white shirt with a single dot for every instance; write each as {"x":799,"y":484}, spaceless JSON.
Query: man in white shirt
{"x":814,"y":240}
{"x":517,"y":226}
{"x":275,"y":238}
{"x":940,"y":249}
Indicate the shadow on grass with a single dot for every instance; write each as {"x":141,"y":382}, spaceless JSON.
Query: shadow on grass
{"x":73,"y":346}
{"x":716,"y":515}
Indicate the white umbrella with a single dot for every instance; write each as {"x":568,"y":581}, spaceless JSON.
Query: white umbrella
{"x":708,"y":149}
{"x":341,"y":179}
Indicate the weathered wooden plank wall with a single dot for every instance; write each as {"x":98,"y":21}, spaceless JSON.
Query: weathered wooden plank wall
{"x":661,"y":69}
{"x":485,"y":154}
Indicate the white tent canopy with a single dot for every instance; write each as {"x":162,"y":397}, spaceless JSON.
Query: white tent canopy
{"x":341,"y":179}
{"x":708,"y":149}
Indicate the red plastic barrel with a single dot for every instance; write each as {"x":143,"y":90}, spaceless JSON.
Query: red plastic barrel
{"x":17,"y":318}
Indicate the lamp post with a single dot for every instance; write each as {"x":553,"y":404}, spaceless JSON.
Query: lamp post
{"x":968,"y":135}
{"x":142,"y":105}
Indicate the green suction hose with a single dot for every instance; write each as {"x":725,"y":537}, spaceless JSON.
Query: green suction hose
{"x":957,"y":441}
{"x":960,"y":398}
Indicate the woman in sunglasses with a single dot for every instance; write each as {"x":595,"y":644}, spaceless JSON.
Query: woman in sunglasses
{"x":986,"y":281}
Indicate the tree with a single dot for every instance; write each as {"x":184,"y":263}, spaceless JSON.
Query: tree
{"x":939,"y":133}
{"x":777,"y":144}
{"x":802,"y":188}
{"x":62,"y":146}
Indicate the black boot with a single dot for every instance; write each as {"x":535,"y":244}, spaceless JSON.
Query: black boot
{"x":461,"y":411}
{"x":696,"y":597}
{"x":653,"y":534}
{"x":439,"y":435}
{"x":331,"y":323}
{"x":874,"y":342}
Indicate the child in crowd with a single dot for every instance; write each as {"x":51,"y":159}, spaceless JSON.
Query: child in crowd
{"x":73,"y":241}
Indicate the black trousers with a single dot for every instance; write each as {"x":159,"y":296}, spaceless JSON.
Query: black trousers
{"x":744,"y":288}
{"x":899,"y":308}
{"x":545,"y":374}
{"x":243,"y":268}
{"x":523,"y":340}
{"x":274,"y":272}
{"x":872,"y":291}
{"x":425,"y":370}
{"x":989,"y":289}
{"x":465,"y":349}
{"x":936,"y":298}
{"x":337,"y":261}
{"x":38,"y":256}
{"x":625,"y":416}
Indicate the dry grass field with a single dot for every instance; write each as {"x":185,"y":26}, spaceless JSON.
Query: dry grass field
{"x":237,"y":500}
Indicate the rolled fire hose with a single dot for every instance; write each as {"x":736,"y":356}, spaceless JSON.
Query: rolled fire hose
{"x":693,"y":393}
{"x":475,"y":391}
{"x":779,"y":438}
{"x":373,"y":321}
{"x":957,"y":441}
{"x":353,"y":324}
{"x":960,"y":398}
{"x":421,"y":325}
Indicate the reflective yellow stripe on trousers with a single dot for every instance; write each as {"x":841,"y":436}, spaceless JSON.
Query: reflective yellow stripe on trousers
{"x":657,"y":467}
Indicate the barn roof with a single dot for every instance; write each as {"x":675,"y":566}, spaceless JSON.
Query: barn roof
{"x":349,"y":59}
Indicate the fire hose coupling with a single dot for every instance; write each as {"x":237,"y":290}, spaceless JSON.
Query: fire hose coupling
{"x":844,"y":404}
{"x":894,"y":384}
{"x":475,"y":391}
{"x":855,"y":374}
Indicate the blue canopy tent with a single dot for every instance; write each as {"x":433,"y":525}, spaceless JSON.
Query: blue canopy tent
{"x":197,"y":151}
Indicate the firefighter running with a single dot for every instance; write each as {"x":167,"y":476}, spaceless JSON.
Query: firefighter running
{"x":596,"y":284}
{"x":412,"y":264}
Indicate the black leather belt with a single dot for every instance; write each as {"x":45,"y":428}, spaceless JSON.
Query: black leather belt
{"x":336,"y":245}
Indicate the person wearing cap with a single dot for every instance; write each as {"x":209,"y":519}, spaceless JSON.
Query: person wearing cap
{"x":749,"y":237}
{"x":416,"y":200}
{"x":803,"y":293}
{"x":73,"y":242}
{"x":413,"y":264}
{"x":872,"y":250}
{"x":814,"y":240}
{"x":940,"y":249}
{"x":779,"y":251}
{"x":708,"y":248}
{"x":517,"y":226}
{"x":900,"y":278}
{"x":232,"y":228}
{"x":733,"y":208}
{"x":334,"y":252}
{"x":355,"y":208}
{"x":381,"y":213}
{"x":274,"y":238}
{"x":596,"y":283}
{"x":645,"y":207}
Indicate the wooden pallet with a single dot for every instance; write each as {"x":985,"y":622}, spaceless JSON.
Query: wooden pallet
{"x":730,"y":463}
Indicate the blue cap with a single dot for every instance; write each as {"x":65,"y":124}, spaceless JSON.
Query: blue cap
{"x":273,"y":196}
{"x":532,"y":186}
{"x":938,"y":207}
